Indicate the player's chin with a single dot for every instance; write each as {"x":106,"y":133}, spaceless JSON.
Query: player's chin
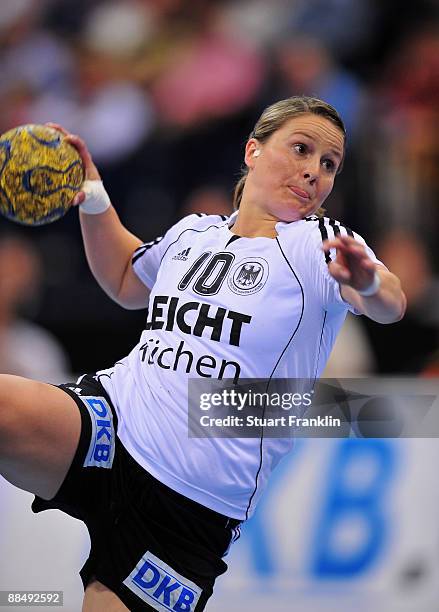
{"x":289,"y":215}
{"x":302,"y":209}
{"x":307,"y":210}
{"x":310,"y":210}
{"x":290,"y":211}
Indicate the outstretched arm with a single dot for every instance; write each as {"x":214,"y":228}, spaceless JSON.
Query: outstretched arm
{"x":355,"y":272}
{"x":108,"y":245}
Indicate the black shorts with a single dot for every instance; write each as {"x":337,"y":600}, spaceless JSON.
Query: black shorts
{"x":156,"y":549}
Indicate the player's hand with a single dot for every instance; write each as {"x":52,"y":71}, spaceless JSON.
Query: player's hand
{"x":90,"y":170}
{"x":352,"y":265}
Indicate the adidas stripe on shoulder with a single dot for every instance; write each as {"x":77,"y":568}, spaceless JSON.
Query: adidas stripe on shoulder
{"x":141,"y":250}
{"x":329,"y":229}
{"x":195,"y":221}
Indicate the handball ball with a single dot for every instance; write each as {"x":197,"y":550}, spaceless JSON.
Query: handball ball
{"x":40,"y":173}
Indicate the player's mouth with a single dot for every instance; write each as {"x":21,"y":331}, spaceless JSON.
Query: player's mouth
{"x":300,"y":192}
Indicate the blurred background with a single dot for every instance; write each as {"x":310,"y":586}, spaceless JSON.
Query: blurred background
{"x":165,"y":93}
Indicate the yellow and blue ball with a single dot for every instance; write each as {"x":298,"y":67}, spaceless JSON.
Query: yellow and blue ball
{"x":40,"y":173}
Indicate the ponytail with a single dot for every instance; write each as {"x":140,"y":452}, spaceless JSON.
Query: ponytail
{"x":239,"y":188}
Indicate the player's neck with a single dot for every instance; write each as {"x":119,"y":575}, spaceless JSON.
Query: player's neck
{"x":254,"y":224}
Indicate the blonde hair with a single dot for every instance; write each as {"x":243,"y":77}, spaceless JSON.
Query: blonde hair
{"x":274,"y":117}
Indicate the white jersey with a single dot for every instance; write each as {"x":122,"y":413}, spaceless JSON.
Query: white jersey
{"x":223,"y":306}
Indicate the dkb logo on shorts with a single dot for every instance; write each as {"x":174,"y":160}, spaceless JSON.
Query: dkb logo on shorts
{"x":101,"y":449}
{"x":161,"y":587}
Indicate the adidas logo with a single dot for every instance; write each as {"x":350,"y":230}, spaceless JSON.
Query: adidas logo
{"x":183,"y":255}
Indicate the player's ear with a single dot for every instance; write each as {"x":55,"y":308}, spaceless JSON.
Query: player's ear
{"x":252,"y":152}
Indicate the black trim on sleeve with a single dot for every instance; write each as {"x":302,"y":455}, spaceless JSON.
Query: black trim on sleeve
{"x":223,"y":217}
{"x":188,"y":229}
{"x":141,"y":250}
{"x":324,"y":223}
{"x":335,"y":227}
{"x":324,"y":233}
{"x":349,"y":232}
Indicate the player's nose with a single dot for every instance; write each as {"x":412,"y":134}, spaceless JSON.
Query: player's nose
{"x":310,"y":170}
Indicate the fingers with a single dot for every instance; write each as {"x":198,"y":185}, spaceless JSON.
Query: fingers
{"x":57,"y":127}
{"x":79,"y":198}
{"x":73,"y":139}
{"x":80,"y":145}
{"x":368,"y":264}
{"x":91,"y":172}
{"x":352,"y":265}
{"x":349,"y":248}
{"x":339,"y":272}
{"x":346,"y":244}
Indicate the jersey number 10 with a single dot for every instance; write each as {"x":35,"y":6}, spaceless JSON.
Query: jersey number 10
{"x":212,"y":275}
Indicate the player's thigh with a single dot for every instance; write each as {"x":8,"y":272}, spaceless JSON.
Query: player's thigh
{"x":98,"y":597}
{"x":39,"y":432}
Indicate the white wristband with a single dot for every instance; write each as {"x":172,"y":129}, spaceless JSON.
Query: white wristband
{"x":96,"y":200}
{"x":373,"y":287}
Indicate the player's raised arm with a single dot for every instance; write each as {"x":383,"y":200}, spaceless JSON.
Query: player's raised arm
{"x":109,"y":246}
{"x":371,"y":288}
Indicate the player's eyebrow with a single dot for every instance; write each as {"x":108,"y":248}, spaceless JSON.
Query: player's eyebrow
{"x":335,"y":152}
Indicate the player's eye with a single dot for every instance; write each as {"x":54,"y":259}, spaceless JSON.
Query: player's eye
{"x":329,"y":165}
{"x":300,"y":148}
